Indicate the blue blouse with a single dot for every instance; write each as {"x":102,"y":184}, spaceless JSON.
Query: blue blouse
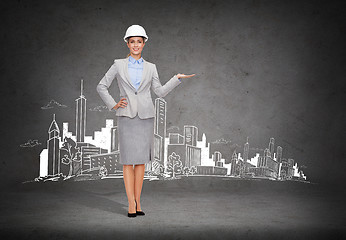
{"x":135,"y":71}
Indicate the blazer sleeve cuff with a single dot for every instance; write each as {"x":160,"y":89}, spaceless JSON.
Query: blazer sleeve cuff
{"x":176,"y":80}
{"x":111,"y":104}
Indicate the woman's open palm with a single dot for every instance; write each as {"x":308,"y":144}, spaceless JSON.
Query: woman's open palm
{"x":180,"y":75}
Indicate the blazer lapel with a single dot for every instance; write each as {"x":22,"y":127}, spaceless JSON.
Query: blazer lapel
{"x":127,"y":75}
{"x":144,"y":72}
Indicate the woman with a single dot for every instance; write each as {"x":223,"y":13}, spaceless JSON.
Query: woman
{"x":135,"y":111}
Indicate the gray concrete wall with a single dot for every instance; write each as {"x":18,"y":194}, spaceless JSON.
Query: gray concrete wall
{"x":264,"y":69}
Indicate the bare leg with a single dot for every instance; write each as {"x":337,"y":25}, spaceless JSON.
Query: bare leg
{"x":129,"y":182}
{"x":139,"y":175}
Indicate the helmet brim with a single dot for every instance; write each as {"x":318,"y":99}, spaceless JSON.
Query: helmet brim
{"x":145,"y":38}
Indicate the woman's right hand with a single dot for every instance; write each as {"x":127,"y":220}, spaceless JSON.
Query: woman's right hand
{"x":122,"y":103}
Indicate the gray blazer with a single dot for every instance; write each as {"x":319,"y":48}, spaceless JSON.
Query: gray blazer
{"x":139,"y":101}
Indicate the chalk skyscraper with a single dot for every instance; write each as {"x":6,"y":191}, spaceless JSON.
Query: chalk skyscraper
{"x":246,"y":154}
{"x":53,"y":148}
{"x":80,"y":116}
{"x":271,"y":147}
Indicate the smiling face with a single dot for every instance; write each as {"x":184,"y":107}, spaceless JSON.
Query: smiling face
{"x":135,"y":44}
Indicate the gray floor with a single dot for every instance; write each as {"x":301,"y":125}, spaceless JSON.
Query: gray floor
{"x":192,"y":208}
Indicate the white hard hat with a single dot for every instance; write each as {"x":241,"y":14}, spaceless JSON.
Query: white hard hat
{"x":135,"y":31}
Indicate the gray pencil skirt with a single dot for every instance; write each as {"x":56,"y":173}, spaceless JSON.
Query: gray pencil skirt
{"x":135,"y":138}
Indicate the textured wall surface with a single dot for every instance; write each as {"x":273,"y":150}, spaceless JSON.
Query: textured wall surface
{"x":264,"y":69}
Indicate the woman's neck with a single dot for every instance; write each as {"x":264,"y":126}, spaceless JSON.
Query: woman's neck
{"x":136,"y":56}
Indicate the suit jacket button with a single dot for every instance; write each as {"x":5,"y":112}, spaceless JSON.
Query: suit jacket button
{"x":136,"y":93}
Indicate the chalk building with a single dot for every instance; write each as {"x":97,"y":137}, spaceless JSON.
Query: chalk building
{"x":205,"y":152}
{"x":108,"y":160}
{"x":53,"y":144}
{"x":267,"y":165}
{"x":246,"y":156}
{"x":287,"y":170}
{"x":211,"y":170}
{"x":234,"y":164}
{"x":80,"y":116}
{"x":50,"y":156}
{"x":216,"y":169}
{"x":186,"y":146}
{"x":159,"y":137}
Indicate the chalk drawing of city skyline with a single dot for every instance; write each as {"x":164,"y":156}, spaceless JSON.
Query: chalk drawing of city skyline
{"x":78,"y":157}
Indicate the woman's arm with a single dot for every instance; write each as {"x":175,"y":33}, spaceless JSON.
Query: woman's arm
{"x":162,"y":91}
{"x":104,"y":84}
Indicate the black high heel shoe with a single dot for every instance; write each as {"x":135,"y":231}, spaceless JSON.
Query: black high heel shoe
{"x":132,"y":214}
{"x":139,"y":212}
